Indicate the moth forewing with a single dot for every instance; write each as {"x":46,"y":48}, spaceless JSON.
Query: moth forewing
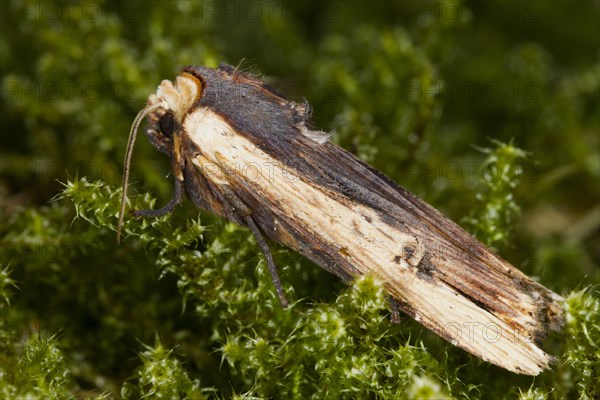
{"x":369,"y":244}
{"x":248,"y":154}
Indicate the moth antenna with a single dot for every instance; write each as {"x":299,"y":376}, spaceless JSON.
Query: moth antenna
{"x":127,"y":162}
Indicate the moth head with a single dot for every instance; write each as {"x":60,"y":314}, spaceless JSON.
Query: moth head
{"x":169,"y":105}
{"x":165,"y":111}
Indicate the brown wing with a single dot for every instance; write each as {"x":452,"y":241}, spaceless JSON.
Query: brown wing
{"x":351,"y":219}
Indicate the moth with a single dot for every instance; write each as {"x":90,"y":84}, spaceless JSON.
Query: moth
{"x":241,"y":150}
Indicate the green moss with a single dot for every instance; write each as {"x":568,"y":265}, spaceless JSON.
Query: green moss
{"x":7,"y":286}
{"x":37,"y":371}
{"x":534,"y":394}
{"x":497,"y":207}
{"x":582,"y":333}
{"x":162,"y":377}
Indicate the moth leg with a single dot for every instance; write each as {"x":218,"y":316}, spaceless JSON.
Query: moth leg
{"x":395,"y":309}
{"x":269,"y":257}
{"x":177,"y":196}
{"x":243,"y":210}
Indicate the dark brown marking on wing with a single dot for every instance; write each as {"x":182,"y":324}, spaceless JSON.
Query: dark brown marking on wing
{"x":408,"y":250}
{"x":198,"y":188}
{"x":425,"y":268}
{"x":344,"y":251}
{"x":475,"y":300}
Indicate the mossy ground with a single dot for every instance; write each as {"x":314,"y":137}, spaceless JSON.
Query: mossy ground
{"x":489,"y":111}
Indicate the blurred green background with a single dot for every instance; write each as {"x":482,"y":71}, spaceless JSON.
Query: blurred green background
{"x":487,"y":110}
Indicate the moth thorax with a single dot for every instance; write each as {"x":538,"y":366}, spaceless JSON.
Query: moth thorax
{"x":178,"y":97}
